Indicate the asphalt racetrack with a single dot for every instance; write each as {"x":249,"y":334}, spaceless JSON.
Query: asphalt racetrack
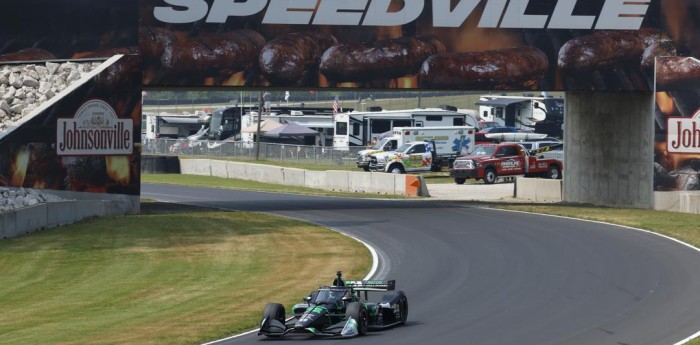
{"x":479,"y":276}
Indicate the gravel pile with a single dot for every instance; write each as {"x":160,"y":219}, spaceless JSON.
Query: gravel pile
{"x":24,"y":87}
{"x":11,"y":199}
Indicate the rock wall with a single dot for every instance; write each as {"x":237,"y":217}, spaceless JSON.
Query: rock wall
{"x":24,"y":87}
{"x":12,"y":199}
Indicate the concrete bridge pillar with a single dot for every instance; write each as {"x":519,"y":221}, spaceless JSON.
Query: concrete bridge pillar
{"x":608,"y":151}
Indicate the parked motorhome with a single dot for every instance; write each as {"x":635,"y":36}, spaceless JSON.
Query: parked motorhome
{"x":172,"y":126}
{"x":541,"y":114}
{"x":226,"y":122}
{"x":360,"y":128}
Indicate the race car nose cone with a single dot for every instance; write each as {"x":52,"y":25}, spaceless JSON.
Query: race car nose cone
{"x":302,"y":324}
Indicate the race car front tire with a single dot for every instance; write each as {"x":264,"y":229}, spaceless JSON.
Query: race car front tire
{"x":274,"y":311}
{"x":358,"y":312}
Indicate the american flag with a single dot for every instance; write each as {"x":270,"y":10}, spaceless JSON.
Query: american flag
{"x":335,"y":105}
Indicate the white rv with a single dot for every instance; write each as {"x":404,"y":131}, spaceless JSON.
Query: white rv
{"x":172,"y":126}
{"x":542,"y":114}
{"x":361,"y":128}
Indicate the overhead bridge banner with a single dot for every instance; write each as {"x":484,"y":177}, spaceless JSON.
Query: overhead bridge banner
{"x":38,"y":30}
{"x":558,"y":45}
{"x":549,"y":45}
{"x":677,"y":146}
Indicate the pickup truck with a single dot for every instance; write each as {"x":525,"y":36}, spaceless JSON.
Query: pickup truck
{"x":489,"y":161}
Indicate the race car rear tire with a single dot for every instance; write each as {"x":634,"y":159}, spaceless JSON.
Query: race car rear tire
{"x":365,"y":168}
{"x":358,"y":312}
{"x":403,"y":309}
{"x":460,"y":180}
{"x":490,"y":176}
{"x":274,"y":311}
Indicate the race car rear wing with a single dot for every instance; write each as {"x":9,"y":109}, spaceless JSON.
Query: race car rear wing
{"x":371,"y":285}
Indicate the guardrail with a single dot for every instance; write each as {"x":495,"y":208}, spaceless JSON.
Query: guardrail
{"x":301,"y":154}
{"x":330,"y":180}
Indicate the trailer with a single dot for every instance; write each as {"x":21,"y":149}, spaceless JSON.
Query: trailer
{"x":361,"y":128}
{"x":172,"y":126}
{"x":541,"y":114}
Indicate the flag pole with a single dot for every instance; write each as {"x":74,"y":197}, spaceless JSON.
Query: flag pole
{"x":257,"y":135}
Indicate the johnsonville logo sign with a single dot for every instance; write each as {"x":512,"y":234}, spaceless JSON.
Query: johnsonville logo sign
{"x":683,"y":134}
{"x":94,"y":130}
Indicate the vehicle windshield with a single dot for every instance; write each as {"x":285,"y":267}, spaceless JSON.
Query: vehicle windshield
{"x":403,"y":147}
{"x":326,"y":296}
{"x":482,"y":151}
{"x":380,"y":144}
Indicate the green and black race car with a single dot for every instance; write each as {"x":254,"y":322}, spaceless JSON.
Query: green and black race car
{"x":341,"y":309}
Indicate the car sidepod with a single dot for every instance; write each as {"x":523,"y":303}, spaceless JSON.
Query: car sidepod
{"x":391,"y":311}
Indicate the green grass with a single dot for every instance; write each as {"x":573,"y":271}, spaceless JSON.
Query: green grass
{"x":162,"y":277}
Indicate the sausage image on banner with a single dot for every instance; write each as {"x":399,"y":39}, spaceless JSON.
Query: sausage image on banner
{"x":606,"y":49}
{"x":232,"y":51}
{"x":677,"y":73}
{"x":510,"y":68}
{"x":107,"y":53}
{"x":657,"y":49}
{"x":28,"y":54}
{"x":152,"y":41}
{"x":286,"y":59}
{"x":379,"y":60}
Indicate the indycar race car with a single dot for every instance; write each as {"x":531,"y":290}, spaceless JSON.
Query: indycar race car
{"x":339,"y":310}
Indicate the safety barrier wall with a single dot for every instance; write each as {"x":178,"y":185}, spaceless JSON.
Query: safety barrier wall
{"x":544,"y":190}
{"x":75,"y":207}
{"x":330,"y":180}
{"x":538,"y":189}
{"x":678,"y":201}
{"x":56,"y":213}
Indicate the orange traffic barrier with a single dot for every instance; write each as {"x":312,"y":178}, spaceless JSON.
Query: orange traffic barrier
{"x":412,"y":185}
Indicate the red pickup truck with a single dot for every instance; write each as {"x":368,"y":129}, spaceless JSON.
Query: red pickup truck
{"x":489,"y":161}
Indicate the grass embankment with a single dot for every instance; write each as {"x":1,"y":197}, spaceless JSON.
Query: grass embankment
{"x":163,"y":277}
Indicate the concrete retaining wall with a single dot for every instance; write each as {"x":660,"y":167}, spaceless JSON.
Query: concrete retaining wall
{"x":538,"y":189}
{"x":681,"y":201}
{"x":235,"y":170}
{"x":219,"y":169}
{"x":331,"y":180}
{"x":293,"y":177}
{"x":56,"y":213}
{"x":195,"y":167}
